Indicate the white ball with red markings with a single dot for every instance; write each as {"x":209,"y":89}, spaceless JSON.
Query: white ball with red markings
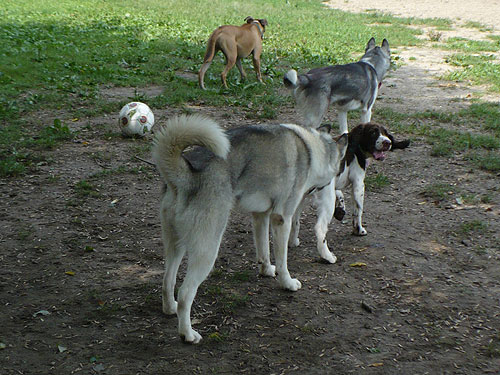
{"x":136,"y":118}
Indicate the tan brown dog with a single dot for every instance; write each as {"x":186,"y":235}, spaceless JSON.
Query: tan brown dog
{"x":236,"y":43}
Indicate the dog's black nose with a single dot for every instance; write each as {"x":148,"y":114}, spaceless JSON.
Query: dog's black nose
{"x":386,"y":144}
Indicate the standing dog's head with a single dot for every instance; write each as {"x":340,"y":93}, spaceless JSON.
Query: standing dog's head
{"x":378,"y":57}
{"x":260,"y":22}
{"x":374,"y":141}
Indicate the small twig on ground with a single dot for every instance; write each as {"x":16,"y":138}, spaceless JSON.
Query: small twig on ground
{"x":145,"y":161}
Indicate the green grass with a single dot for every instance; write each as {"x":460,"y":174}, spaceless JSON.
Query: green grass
{"x":56,"y":57}
{"x":470,"y":46}
{"x":475,"y":226}
{"x":473,"y":132}
{"x":84,"y":189}
{"x":478,"y":69}
{"x":376,"y":182}
{"x":438,"y":191}
{"x":21,"y":150}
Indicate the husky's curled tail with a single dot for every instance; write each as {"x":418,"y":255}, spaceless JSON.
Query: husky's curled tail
{"x":179,"y":133}
{"x":292,"y":79}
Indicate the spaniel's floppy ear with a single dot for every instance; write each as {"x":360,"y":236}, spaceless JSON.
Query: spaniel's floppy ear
{"x":263,"y":22}
{"x":249,"y":19}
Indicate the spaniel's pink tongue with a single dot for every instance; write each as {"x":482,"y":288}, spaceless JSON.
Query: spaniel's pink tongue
{"x":379,"y":155}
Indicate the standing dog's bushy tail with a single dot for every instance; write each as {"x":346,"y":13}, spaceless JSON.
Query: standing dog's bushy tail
{"x":292,"y":79}
{"x":181,"y":132}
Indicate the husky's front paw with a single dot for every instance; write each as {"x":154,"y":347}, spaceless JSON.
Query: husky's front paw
{"x":329,"y":257}
{"x":191,"y":337}
{"x":267,"y":270}
{"x":290,"y":284}
{"x":325,"y":253}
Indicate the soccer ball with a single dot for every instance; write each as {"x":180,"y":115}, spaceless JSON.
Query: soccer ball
{"x":136,"y":118}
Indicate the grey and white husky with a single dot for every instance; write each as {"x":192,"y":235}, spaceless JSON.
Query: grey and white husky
{"x":350,"y":86}
{"x":263,"y":170}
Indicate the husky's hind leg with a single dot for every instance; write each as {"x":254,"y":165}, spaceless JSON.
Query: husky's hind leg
{"x":173,"y":258}
{"x":261,"y":239}
{"x":312,"y":108}
{"x":202,"y":243}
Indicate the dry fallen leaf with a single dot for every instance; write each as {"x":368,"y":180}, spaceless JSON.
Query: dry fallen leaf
{"x":357,"y":264}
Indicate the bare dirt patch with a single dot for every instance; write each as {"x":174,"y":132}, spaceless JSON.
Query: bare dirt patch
{"x":81,"y":270}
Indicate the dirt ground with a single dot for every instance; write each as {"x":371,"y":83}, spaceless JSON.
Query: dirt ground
{"x":81,"y":268}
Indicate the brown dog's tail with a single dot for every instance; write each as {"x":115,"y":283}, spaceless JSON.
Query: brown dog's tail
{"x":210,"y":53}
{"x":209,"y":56}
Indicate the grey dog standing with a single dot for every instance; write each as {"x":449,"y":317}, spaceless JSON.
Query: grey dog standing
{"x":262,"y":170}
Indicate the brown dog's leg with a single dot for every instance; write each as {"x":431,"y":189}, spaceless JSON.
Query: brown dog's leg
{"x":240,"y":68}
{"x":230,"y":61}
{"x":256,"y":62}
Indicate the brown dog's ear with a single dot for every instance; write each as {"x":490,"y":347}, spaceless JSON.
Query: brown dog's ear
{"x":263,"y":22}
{"x":249,"y":19}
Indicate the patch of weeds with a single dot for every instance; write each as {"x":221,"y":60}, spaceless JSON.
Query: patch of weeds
{"x":24,"y":233}
{"x":434,"y":35}
{"x":477,"y":25}
{"x":488,"y":161}
{"x":486,"y":198}
{"x":470,"y":46}
{"x":10,"y":166}
{"x":480,"y":69}
{"x":474,"y":226}
{"x":488,"y":114}
{"x":441,"y":149}
{"x":492,"y":350}
{"x":230,"y":301}
{"x":233,"y":301}
{"x":85,"y":189}
{"x":51,"y":135}
{"x":241,"y":276}
{"x":438,"y":192}
{"x":470,"y":198}
{"x":377,"y":182}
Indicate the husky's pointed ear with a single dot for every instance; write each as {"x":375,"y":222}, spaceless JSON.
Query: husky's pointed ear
{"x":371,"y":44}
{"x":385,"y":46}
{"x":249,"y":19}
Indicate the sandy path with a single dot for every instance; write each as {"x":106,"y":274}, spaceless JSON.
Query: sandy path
{"x":415,"y":86}
{"x":486,"y":12}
